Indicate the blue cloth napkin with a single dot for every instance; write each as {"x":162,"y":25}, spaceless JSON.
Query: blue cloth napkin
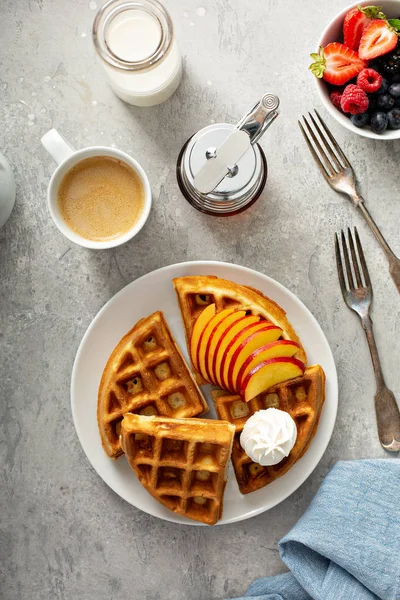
{"x":347,"y":544}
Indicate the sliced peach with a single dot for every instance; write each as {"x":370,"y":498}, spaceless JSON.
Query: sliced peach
{"x":204,"y":317}
{"x":246,"y":362}
{"x":205,"y":337}
{"x":215,"y":337}
{"x":224,"y":341}
{"x":268,"y":373}
{"x":271,"y":332}
{"x":256,"y":339}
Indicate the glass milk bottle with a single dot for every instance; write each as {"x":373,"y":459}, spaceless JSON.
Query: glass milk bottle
{"x":136,"y":43}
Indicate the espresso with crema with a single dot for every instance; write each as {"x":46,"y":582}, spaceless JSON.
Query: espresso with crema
{"x":101,"y":198}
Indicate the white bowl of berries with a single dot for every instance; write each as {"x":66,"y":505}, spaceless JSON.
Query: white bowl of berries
{"x":357,"y":69}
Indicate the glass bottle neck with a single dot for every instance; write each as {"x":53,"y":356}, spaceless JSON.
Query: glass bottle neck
{"x":132,"y":35}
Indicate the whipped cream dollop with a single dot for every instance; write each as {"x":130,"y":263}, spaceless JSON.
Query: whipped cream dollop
{"x":268,"y":436}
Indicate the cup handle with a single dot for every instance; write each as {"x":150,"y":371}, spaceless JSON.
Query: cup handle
{"x":57,"y":146}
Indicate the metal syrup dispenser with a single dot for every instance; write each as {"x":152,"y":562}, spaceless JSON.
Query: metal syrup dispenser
{"x":221,"y":169}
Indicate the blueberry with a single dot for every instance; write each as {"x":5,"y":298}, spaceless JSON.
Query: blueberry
{"x":384,"y":86}
{"x":397,"y":102}
{"x":360,"y":120}
{"x":396,"y":78}
{"x":372,"y":106}
{"x":394,"y":118}
{"x":394,"y":90}
{"x":379,"y":122}
{"x":385,"y":101}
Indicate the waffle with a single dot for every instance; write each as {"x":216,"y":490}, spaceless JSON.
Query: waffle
{"x":145,"y":374}
{"x":196,"y":292}
{"x":302,"y":398}
{"x":182,"y":462}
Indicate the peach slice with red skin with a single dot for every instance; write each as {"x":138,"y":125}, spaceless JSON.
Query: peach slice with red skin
{"x":224,"y":341}
{"x":204,"y":317}
{"x":246,"y":362}
{"x":249,"y":346}
{"x":205,"y":338}
{"x":269,"y":373}
{"x":215,"y":336}
{"x":255,"y":336}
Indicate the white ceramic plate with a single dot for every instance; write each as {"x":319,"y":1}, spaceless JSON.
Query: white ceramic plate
{"x":154,"y":292}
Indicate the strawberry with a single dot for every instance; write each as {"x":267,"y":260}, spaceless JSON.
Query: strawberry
{"x":377,"y":38}
{"x":336,"y":64}
{"x":353,"y":25}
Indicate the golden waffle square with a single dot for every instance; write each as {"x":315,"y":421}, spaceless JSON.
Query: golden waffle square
{"x":196,"y":292}
{"x":147,"y":374}
{"x":302,"y":398}
{"x":182,"y":463}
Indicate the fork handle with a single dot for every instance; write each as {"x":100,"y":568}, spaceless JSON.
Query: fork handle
{"x":386,"y":409}
{"x":375,"y":229}
{"x":394,"y":262}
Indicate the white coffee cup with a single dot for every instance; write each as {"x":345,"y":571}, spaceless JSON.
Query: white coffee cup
{"x":66,"y":157}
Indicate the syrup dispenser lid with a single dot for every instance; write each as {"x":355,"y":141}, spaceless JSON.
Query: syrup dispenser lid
{"x":229,"y":170}
{"x":222,"y":162}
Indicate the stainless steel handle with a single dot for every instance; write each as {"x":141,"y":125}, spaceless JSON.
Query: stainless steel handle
{"x":260,"y":117}
{"x":394,"y":262}
{"x":387,"y":411}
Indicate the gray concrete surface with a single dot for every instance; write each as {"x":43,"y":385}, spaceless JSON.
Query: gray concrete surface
{"x":64,"y":534}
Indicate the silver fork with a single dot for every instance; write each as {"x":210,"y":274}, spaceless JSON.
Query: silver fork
{"x":357,"y":293}
{"x":339,"y":173}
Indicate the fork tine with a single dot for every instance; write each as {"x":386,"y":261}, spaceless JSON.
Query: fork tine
{"x":328,"y":167}
{"x":339,"y":266}
{"x":362,"y":259}
{"x":347,"y":263}
{"x":354,"y":257}
{"x":326,"y":143}
{"x":315,"y":155}
{"x":334,"y":142}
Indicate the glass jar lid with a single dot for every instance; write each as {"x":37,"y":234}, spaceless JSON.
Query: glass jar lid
{"x":238,"y":190}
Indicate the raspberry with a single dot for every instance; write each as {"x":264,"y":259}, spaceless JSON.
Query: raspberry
{"x":335,"y":99}
{"x":354,"y":100}
{"x":369,"y":80}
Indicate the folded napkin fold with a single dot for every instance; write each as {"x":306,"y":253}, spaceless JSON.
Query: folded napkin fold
{"x":347,"y":544}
